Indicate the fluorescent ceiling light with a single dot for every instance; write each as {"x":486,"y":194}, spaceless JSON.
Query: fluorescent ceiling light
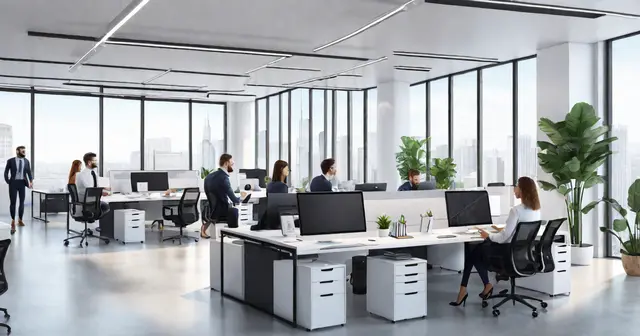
{"x":156,"y":77}
{"x":276,"y":67}
{"x":15,"y":86}
{"x":445,"y":56}
{"x":537,"y":8}
{"x":197,"y":48}
{"x":134,"y":7}
{"x":315,"y":79}
{"x":266,"y":65}
{"x":368,"y":26}
{"x":412,"y":68}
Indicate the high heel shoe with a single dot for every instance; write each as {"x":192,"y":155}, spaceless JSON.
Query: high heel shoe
{"x":485,"y":296}
{"x":462,"y":302}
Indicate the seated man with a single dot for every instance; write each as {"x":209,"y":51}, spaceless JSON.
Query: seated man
{"x":323,"y":182}
{"x":88,"y":178}
{"x":218,"y":185}
{"x":413,"y":183}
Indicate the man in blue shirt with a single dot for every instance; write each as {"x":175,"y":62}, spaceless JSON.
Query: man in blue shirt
{"x":413,"y":183}
{"x":218,"y":186}
{"x":17,"y":174}
{"x":323,"y":182}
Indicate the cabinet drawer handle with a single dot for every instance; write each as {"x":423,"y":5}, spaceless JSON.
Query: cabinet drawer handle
{"x":562,"y":252}
{"x":326,"y":270}
{"x":412,"y":293}
{"x":562,"y":271}
{"x":410,"y":265}
{"x":135,"y":220}
{"x":326,"y":295}
{"x":562,"y":261}
{"x":135,"y":214}
{"x":326,"y":282}
{"x":135,"y":227}
{"x":562,"y":245}
{"x":411,"y":274}
{"x":411,"y":282}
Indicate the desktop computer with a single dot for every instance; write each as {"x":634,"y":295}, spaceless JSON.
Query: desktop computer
{"x":468,"y":208}
{"x":371,"y":187}
{"x":156,"y":181}
{"x":277,"y":205}
{"x":325,"y":213}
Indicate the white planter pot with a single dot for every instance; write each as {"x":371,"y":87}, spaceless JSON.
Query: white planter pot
{"x":581,"y":255}
{"x":383,"y":233}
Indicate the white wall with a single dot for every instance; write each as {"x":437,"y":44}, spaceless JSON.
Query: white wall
{"x":241,"y":133}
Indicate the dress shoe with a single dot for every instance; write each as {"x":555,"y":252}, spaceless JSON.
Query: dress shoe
{"x":20,"y":222}
{"x":13,"y":226}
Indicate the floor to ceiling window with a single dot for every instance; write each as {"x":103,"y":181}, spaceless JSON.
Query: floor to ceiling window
{"x":357,"y":136}
{"x":262,"y":134}
{"x":318,"y":131}
{"x":497,"y":124}
{"x":465,"y":133}
{"x":274,"y":132}
{"x":527,"y":119}
{"x":207,"y":135}
{"x":166,"y":135}
{"x":121,"y":134}
{"x":439,"y":118}
{"x":372,"y":136}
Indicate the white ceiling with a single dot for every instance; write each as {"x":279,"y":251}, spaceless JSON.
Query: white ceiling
{"x":283,"y":25}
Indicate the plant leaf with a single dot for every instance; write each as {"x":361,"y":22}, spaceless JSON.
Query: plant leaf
{"x":582,"y":117}
{"x":633,"y":200}
{"x":547,"y":186}
{"x":589,"y":207}
{"x":573,"y":165}
{"x":593,"y":180}
{"x":620,"y":225}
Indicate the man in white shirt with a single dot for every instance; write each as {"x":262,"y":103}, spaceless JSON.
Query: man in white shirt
{"x":88,"y":178}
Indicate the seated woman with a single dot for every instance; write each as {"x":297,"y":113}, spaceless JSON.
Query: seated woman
{"x":527,"y":211}
{"x":278,"y":184}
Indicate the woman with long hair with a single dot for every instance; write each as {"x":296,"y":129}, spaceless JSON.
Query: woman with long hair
{"x":528,"y":211}
{"x":278,"y":182}
{"x":76,"y":167}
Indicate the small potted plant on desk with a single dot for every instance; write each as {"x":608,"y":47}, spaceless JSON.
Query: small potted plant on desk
{"x":384,"y":222}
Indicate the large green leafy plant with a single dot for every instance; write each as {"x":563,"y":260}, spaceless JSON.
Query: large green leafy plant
{"x":412,"y":155}
{"x":444,"y":171}
{"x":572,"y":157}
{"x":204,"y":172}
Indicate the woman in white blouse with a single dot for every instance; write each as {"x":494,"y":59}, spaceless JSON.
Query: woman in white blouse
{"x":527,"y":211}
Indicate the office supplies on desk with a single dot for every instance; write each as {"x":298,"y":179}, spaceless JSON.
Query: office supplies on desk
{"x":324,"y":213}
{"x":468,"y":208}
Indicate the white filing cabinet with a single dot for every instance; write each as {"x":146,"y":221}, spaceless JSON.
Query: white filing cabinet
{"x":128,"y":225}
{"x":5,"y":231}
{"x":245,"y":214}
{"x":321,"y":293}
{"x":233,"y":266}
{"x":397,"y":289}
{"x":556,"y":282}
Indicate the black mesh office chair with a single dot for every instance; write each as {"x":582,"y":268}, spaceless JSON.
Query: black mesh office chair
{"x":543,"y":250}
{"x":86,"y":211}
{"x":183,"y":214}
{"x":4,"y":285}
{"x":515,"y":260}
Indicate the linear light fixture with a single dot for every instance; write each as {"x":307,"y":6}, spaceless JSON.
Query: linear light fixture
{"x":412,"y":68}
{"x":535,"y":8}
{"x":198,"y":48}
{"x":367,"y":26}
{"x":266,"y":65}
{"x":105,"y":81}
{"x":304,"y":87}
{"x":315,"y":79}
{"x":134,"y":7}
{"x":276,"y":67}
{"x":156,"y":77}
{"x":445,"y":56}
{"x":14,"y":86}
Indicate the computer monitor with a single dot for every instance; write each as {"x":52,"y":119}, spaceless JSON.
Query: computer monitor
{"x":467,"y":208}
{"x":371,"y":187}
{"x":156,"y":181}
{"x":323,"y":213}
{"x":427,"y":185}
{"x":278,"y":204}
{"x":259,"y":174}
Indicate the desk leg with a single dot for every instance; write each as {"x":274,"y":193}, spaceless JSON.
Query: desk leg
{"x":46,"y":198}
{"x":66,"y":199}
{"x":31,"y":203}
{"x":221,"y":265}
{"x":294,"y":258}
{"x":40,"y":206}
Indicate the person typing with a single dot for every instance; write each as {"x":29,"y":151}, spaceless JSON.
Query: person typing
{"x":88,"y":178}
{"x":219,"y":185}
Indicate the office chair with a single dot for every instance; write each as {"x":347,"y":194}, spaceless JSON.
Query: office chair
{"x":183,"y":214}
{"x":496,"y":184}
{"x":87,"y":211}
{"x":4,"y":285}
{"x":515,"y":260}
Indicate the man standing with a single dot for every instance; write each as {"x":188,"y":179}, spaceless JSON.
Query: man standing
{"x":217,"y":185}
{"x":88,"y":178}
{"x":17,"y":174}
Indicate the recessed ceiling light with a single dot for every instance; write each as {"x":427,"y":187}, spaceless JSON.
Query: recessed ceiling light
{"x":412,"y":68}
{"x":277,"y":67}
{"x":197,"y":48}
{"x":445,"y":56}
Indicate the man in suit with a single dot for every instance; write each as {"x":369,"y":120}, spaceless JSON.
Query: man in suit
{"x":413,"y":183}
{"x":323,"y":182}
{"x":17,"y":174}
{"x":217,"y":184}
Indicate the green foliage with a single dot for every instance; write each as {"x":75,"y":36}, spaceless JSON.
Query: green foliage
{"x":429,"y":213}
{"x":402,"y":220}
{"x":444,"y":171}
{"x":303,"y":188}
{"x":384,"y":222}
{"x":632,"y":245}
{"x":204,"y":172}
{"x":267,"y":179}
{"x":572,"y":157}
{"x":412,"y":155}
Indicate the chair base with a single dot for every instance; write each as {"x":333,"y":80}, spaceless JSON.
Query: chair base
{"x":160,"y":223}
{"x":507,"y":296}
{"x":84,"y":237}
{"x":180,"y":237}
{"x":6,"y":316}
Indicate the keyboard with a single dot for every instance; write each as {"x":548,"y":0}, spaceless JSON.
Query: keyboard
{"x":341,"y":246}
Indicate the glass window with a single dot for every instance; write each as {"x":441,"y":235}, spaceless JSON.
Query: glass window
{"x":357,"y":136}
{"x":418,"y":111}
{"x":372,"y":135}
{"x":66,"y":127}
{"x":274,"y":131}
{"x":299,"y":137}
{"x":262,"y":134}
{"x":527,"y":119}
{"x":207,"y":134}
{"x":329,"y":123}
{"x":342,"y":134}
{"x":166,"y":135}
{"x":121,"y":135}
{"x":439,"y":118}
{"x":497,"y":124}
{"x":624,"y":91}
{"x":284,"y":126}
{"x":465,"y":134}
{"x":317,"y":150}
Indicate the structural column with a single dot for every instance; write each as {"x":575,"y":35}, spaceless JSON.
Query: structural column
{"x":241,"y":133}
{"x":393,"y":122}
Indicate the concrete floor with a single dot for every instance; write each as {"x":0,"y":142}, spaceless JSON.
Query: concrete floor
{"x":156,"y":289}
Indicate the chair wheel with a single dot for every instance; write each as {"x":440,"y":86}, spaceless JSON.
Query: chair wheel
{"x":86,"y":243}
{"x":66,"y":243}
{"x":496,"y":313}
{"x":485,"y":304}
{"x":106,"y":242}
{"x":7,"y":316}
{"x":196,"y":240}
{"x":543,"y":304}
{"x":124,"y":243}
{"x":534,"y":314}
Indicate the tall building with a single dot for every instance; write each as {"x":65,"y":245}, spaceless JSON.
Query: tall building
{"x":527,"y":156}
{"x":359,"y":175}
{"x":207,"y":151}
{"x":622,"y":179}
{"x":6,"y":141}
{"x":342,"y":148}
{"x":372,"y":157}
{"x":153,"y":146}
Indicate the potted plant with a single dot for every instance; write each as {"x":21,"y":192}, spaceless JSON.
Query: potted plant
{"x":267,"y":180}
{"x":383,"y":222}
{"x":629,"y":247}
{"x":412,"y":155}
{"x":444,"y":171}
{"x":204,"y":172}
{"x":303,"y":188}
{"x":572,"y":158}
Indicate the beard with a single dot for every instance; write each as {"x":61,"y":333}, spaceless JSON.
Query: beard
{"x":229,"y":169}
{"x":94,"y":166}
{"x":20,"y":155}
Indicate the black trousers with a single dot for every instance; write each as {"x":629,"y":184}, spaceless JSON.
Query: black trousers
{"x":16,"y":189}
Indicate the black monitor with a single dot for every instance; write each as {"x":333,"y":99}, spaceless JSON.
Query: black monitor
{"x":322,"y":213}
{"x":259,"y":174}
{"x":279,"y":204}
{"x":371,"y":187}
{"x":427,"y":185}
{"x":467,"y":208}
{"x":156,"y":180}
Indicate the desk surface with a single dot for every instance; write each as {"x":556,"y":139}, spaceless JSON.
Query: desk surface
{"x":119,"y":198}
{"x":367,"y":241}
{"x":49,"y":192}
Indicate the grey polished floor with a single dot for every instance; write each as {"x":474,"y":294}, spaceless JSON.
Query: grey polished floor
{"x":157,"y":289}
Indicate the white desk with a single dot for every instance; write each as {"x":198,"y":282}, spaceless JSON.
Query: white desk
{"x":300,"y":246}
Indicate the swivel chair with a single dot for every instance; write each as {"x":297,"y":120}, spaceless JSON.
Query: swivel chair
{"x":4,"y":286}
{"x":515,"y":260}
{"x":183,"y":214}
{"x":86,"y":211}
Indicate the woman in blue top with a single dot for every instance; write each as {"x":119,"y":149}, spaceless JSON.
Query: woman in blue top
{"x":278,"y":182}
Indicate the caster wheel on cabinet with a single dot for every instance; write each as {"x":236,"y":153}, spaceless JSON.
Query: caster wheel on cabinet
{"x":534,"y":314}
{"x":197,"y":240}
{"x":496,"y":313}
{"x":141,"y":242}
{"x":485,"y":304}
{"x":66,"y":243}
{"x":543,"y":304}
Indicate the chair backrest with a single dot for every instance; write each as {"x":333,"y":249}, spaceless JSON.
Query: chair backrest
{"x":188,"y":207}
{"x":4,"y":248}
{"x":73,"y":193}
{"x":543,"y":250}
{"x":91,"y":203}
{"x":496,"y":184}
{"x":522,"y":245}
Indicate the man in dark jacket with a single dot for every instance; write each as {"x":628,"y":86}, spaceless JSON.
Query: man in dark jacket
{"x":413,"y":183}
{"x":323,"y":182}
{"x":17,"y":174}
{"x":217,"y":185}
